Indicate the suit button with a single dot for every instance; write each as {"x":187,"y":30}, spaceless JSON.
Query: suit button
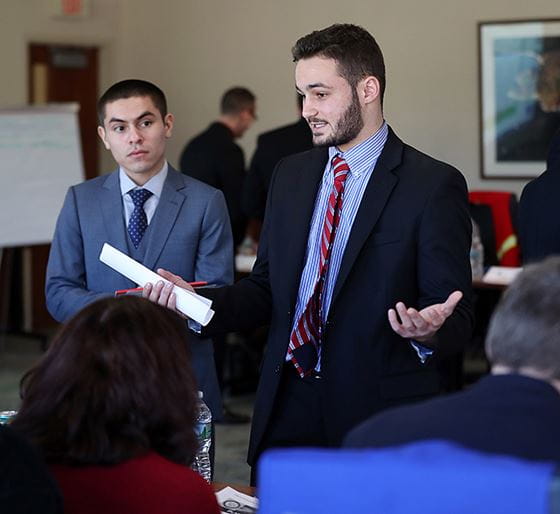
{"x":277,"y":369}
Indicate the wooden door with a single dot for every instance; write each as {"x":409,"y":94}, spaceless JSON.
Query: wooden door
{"x":59,"y":73}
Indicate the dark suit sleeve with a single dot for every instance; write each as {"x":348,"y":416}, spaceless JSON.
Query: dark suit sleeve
{"x":66,"y":288}
{"x":231,"y":176}
{"x":443,"y":259}
{"x":526,"y":236}
{"x":248,"y":303}
{"x":245,"y":305}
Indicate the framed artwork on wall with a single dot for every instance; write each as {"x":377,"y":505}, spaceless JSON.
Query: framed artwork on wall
{"x":519,"y":81}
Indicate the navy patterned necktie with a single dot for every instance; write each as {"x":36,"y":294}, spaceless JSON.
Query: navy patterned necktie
{"x":138,"y":222}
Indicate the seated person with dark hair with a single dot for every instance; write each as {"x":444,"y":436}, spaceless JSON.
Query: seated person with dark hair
{"x":25,"y":483}
{"x":513,"y":411}
{"x":112,"y":407}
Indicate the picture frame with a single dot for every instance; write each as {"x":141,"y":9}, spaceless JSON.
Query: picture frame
{"x":519,"y":91}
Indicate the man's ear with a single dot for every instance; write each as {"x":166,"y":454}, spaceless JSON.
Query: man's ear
{"x":370,"y":89}
{"x":168,"y":124}
{"x":101,"y":134}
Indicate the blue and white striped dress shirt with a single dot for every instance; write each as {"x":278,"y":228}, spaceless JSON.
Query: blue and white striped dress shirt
{"x":361,"y":160}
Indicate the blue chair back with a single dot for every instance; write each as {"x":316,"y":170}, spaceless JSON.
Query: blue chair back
{"x":431,"y":477}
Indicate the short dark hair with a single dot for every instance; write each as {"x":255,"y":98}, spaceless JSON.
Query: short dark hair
{"x":525,"y":328}
{"x":116,"y":382}
{"x":354,"y":49}
{"x":237,"y":99}
{"x":130,"y":88}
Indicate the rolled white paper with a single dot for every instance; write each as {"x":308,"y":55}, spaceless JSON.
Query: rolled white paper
{"x":190,"y":304}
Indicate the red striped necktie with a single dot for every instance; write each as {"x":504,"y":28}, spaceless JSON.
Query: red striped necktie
{"x":303,"y":350}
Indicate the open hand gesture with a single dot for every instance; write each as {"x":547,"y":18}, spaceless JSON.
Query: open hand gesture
{"x":422,"y":325}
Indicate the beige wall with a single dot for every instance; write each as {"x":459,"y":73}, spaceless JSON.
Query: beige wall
{"x":30,"y":21}
{"x":194,"y":49}
{"x":430,"y":49}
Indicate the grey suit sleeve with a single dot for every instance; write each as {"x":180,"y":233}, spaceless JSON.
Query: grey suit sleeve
{"x":66,"y":290}
{"x":214,"y":258}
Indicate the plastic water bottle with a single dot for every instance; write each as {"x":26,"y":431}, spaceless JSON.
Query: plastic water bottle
{"x":203,"y":430}
{"x":477,"y":253}
{"x":6,"y":416}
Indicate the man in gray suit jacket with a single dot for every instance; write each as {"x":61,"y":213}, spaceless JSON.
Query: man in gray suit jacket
{"x":182,"y":225}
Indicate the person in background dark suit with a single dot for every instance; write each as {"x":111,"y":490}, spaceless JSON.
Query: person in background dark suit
{"x":395,"y":294}
{"x":272,"y":146}
{"x":539,"y":210}
{"x":513,"y":411}
{"x":214,"y":157}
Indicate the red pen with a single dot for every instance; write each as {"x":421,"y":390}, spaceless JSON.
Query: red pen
{"x":200,"y":283}
{"x":137,"y":291}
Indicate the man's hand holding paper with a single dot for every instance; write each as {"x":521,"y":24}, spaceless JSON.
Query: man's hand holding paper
{"x":162,"y":292}
{"x":183,"y":299}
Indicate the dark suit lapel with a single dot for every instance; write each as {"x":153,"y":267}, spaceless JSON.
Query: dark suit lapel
{"x":302,"y":204}
{"x":111,"y":207}
{"x":165,"y":216}
{"x":378,"y":190}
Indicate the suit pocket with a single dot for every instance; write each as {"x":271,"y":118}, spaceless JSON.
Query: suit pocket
{"x":409,"y":385}
{"x":384,"y":237}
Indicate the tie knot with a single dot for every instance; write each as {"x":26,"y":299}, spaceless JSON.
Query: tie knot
{"x":340,"y":170}
{"x":139,"y":196}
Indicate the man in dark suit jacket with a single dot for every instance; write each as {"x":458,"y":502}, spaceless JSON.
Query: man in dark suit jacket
{"x":539,"y":210}
{"x":391,"y":302}
{"x":187,"y":224}
{"x":272,"y":146}
{"x":513,"y":411}
{"x":214,"y":157}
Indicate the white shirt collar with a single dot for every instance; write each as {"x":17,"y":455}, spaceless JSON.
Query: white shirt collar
{"x":360,"y":157}
{"x":155,"y":184}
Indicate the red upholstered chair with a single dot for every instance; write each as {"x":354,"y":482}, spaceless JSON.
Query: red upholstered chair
{"x":504,"y":213}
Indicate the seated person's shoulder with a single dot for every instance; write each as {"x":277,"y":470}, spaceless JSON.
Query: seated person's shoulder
{"x":24,"y":477}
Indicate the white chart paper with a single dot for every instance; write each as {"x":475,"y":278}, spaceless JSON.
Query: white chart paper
{"x":190,"y":304}
{"x":232,"y":501}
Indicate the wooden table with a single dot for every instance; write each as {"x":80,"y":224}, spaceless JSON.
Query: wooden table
{"x":245,"y":489}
